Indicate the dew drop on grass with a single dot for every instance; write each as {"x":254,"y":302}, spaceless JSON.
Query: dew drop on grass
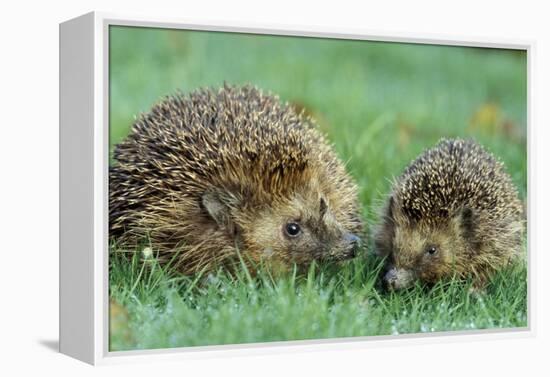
{"x":147,"y":252}
{"x":212,"y":280}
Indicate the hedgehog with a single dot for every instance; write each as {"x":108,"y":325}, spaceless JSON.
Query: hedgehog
{"x":228,"y":175}
{"x":454,"y":212}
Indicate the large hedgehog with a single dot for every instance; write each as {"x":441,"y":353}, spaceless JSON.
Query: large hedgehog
{"x":453,"y":212}
{"x":231,"y":174}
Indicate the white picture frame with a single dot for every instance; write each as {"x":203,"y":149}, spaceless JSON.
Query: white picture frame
{"x":84,"y":190}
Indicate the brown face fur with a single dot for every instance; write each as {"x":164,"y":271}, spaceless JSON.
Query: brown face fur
{"x":298,"y":230}
{"x":420,"y":250}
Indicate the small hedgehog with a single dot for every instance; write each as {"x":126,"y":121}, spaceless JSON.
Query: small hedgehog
{"x":453,"y":212}
{"x":219,"y":174}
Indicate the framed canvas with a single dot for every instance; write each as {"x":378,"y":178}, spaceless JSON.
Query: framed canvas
{"x":237,"y":189}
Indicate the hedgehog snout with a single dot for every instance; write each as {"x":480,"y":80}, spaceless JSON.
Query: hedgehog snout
{"x":354,"y":243}
{"x":390,"y":278}
{"x":397,"y":278}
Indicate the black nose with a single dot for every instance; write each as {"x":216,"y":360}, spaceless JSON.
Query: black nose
{"x":352,"y":238}
{"x":390,"y":278}
{"x":354,"y":244}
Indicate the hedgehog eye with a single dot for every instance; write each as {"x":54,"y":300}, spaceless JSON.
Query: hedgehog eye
{"x":431,"y":250}
{"x":292,"y":229}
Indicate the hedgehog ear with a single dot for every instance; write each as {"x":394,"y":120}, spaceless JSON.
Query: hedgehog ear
{"x":393,"y":211}
{"x":217,"y":210}
{"x":391,"y":208}
{"x":383,"y":237}
{"x":466,"y":217}
{"x":323,"y":207}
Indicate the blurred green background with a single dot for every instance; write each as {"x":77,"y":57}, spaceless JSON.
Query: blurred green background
{"x":381,"y":104}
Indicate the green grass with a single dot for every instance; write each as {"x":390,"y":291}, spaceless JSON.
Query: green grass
{"x":380,"y":104}
{"x":166,"y":310}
